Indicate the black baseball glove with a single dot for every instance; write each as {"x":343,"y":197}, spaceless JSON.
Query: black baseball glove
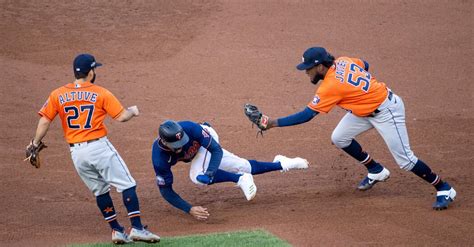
{"x":256,"y":116}
{"x":32,"y":153}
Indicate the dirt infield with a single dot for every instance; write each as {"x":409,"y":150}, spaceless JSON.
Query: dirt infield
{"x":203,"y":61}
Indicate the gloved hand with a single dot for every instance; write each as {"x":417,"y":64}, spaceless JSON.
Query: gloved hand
{"x":32,"y":153}
{"x":256,"y":116}
{"x":205,"y":179}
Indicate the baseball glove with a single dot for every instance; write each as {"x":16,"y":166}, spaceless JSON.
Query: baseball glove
{"x":256,"y":116}
{"x":32,"y":153}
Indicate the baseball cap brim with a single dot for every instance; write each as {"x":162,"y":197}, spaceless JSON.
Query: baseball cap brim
{"x":97,"y":65}
{"x":180,"y":143}
{"x":305,"y":66}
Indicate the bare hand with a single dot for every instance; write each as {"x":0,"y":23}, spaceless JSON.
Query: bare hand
{"x":134,"y":110}
{"x":199,"y":213}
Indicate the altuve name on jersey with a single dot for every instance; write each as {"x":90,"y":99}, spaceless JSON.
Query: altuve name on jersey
{"x":77,"y":96}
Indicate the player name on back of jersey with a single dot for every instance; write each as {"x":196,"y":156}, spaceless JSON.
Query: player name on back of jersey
{"x":340,"y":68}
{"x":77,"y":96}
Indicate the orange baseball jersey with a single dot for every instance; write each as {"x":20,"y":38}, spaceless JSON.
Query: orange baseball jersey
{"x":348,"y":85}
{"x":82,"y":109}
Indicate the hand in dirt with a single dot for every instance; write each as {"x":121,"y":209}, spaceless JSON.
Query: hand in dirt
{"x":199,"y":213}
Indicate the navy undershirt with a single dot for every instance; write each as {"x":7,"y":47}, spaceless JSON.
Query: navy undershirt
{"x":298,"y":118}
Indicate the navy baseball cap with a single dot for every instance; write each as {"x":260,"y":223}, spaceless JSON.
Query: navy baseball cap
{"x":312,"y":57}
{"x":83,"y":63}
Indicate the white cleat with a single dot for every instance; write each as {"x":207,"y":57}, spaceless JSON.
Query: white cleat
{"x":291,"y":163}
{"x":372,"y":178}
{"x":120,"y":237}
{"x":143,"y":235}
{"x":248,"y":186}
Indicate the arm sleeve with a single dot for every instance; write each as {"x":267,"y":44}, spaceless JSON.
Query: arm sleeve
{"x":112,"y":105}
{"x":164,"y":180}
{"x":298,"y":118}
{"x":174,"y":199}
{"x":206,"y":141}
{"x":163,"y":173}
{"x":216,"y":157}
{"x":49,"y":110}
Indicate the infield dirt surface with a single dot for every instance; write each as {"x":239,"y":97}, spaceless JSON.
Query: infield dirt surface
{"x":203,"y":61}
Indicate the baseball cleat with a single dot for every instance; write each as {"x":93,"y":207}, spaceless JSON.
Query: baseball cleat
{"x":119,"y":237}
{"x":444,"y":198}
{"x":291,"y":163}
{"x":143,"y":235}
{"x":372,"y":178}
{"x":248,"y":186}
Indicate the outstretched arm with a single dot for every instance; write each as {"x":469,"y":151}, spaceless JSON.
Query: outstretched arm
{"x":298,"y":118}
{"x":128,"y":114}
{"x":174,"y":199}
{"x":41,"y":130}
{"x":264,"y":122}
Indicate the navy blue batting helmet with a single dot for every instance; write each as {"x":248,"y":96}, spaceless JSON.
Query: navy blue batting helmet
{"x":172,"y":134}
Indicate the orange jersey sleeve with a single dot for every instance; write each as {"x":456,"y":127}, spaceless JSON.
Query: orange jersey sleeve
{"x":324,"y":99}
{"x":82,"y":109}
{"x":49,"y":109}
{"x":112,"y":105}
{"x":349,"y":86}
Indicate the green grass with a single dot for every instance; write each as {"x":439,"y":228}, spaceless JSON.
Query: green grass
{"x":228,"y":239}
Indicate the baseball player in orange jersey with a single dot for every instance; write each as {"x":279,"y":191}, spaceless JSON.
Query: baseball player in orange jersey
{"x":82,"y":107}
{"x":347,"y":83}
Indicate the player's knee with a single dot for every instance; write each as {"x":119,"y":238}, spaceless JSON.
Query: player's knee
{"x":100,"y":190}
{"x":243,"y":166}
{"x":407,"y":166}
{"x":193,"y":176}
{"x":406,"y":162}
{"x":340,"y":140}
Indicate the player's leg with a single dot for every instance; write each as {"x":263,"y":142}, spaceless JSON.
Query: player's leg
{"x":225,"y":173}
{"x":100,"y":188}
{"x":201,"y":160}
{"x":115,"y":172}
{"x":230,"y":169}
{"x":235,"y":169}
{"x":237,"y":172}
{"x":343,"y":136}
{"x":260,"y":167}
{"x":392,"y":127}
{"x":106,"y":206}
{"x":234,"y":164}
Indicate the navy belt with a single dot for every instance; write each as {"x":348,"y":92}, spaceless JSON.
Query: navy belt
{"x":89,"y":141}
{"x":390,"y":95}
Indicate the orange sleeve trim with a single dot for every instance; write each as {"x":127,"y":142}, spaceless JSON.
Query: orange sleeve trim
{"x":118,"y":114}
{"x":314,"y":109}
{"x":42,"y":114}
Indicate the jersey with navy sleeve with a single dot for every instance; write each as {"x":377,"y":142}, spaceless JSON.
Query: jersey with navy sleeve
{"x":163,"y":158}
